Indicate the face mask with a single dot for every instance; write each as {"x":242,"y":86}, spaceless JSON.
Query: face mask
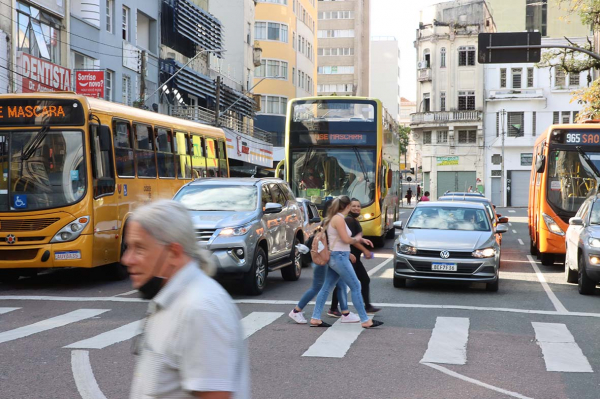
{"x":354,"y":214}
{"x":151,"y":287}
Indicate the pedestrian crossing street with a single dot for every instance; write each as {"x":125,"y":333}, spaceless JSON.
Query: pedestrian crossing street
{"x":448,"y":344}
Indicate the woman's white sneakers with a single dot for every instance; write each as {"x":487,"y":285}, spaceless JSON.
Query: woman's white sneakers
{"x":350,"y":318}
{"x":298,"y":317}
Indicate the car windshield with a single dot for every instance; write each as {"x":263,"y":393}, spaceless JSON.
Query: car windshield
{"x":483,"y":201}
{"x":219,"y":198}
{"x":41,"y":169}
{"x":449,"y":218}
{"x":595,"y":215}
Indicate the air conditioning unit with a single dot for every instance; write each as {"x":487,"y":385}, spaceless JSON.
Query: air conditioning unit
{"x":422,"y":64}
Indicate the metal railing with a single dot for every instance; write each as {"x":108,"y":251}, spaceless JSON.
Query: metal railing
{"x":446,"y":116}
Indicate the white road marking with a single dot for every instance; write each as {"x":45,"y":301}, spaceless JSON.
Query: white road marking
{"x":521,"y":242}
{"x":557,"y":304}
{"x":379,"y":266}
{"x":514,"y":231}
{"x":510,"y":224}
{"x":111,"y":337}
{"x":336,"y":341}
{"x":71,"y":298}
{"x":511,"y":211}
{"x":84,"y":376}
{"x":257,"y":320}
{"x":6,"y":310}
{"x":49,"y":324}
{"x":476,"y":382}
{"x":561,"y":352}
{"x":127,"y":293}
{"x":448,"y":342}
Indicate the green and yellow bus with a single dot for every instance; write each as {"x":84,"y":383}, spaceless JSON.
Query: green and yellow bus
{"x":343,"y":146}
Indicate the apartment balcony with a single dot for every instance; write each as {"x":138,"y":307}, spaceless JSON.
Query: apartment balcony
{"x":424,"y":75}
{"x":515,"y":94}
{"x":443,"y":118}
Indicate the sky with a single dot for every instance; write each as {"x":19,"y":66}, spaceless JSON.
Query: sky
{"x":400,"y":18}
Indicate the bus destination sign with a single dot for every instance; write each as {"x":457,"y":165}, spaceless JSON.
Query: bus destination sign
{"x":35,"y":112}
{"x":302,"y":138}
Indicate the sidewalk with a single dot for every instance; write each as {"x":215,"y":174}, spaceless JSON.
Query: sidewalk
{"x":404,"y":203}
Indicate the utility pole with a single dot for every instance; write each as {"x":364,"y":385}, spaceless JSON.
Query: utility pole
{"x":143,"y":70}
{"x":218,"y":100}
{"x":502,"y":179}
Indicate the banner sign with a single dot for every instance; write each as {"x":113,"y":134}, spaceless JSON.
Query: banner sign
{"x":90,"y":83}
{"x":42,"y":75}
{"x":447,"y":161}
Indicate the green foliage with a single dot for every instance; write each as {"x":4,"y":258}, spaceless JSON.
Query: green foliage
{"x":403,"y":132}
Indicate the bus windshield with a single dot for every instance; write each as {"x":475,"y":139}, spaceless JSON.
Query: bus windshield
{"x":333,"y":110}
{"x":41,"y":169}
{"x":321,"y":172}
{"x":570,"y":180}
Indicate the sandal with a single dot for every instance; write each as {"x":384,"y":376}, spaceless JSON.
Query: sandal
{"x":376,"y":323}
{"x":323,"y":324}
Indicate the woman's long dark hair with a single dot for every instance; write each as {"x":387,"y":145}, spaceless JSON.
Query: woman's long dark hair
{"x":338,"y":204}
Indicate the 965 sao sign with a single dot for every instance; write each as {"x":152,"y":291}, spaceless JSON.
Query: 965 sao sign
{"x":90,"y":83}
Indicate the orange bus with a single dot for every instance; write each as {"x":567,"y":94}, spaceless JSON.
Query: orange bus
{"x":73,"y":169}
{"x":564,"y":173}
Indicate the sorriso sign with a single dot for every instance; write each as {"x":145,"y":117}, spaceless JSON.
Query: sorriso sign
{"x":90,"y":83}
{"x":41,"y":75}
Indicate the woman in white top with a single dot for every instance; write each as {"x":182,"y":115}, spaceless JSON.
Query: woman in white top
{"x":339,"y":237}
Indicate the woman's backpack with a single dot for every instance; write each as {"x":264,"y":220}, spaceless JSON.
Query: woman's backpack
{"x":319,"y":248}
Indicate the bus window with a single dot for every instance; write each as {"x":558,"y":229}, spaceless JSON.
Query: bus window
{"x":198,"y":158}
{"x":222,"y":159}
{"x":164,"y":153}
{"x":144,"y":151}
{"x":123,"y":150}
{"x":102,"y":168}
{"x":212,"y":163}
{"x":183,"y":160}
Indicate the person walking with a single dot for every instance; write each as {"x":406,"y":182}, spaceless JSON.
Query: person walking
{"x":355,"y":252}
{"x":470,"y":190}
{"x":192,"y":344}
{"x":425,"y":196}
{"x":339,"y":266}
{"x":409,"y":195}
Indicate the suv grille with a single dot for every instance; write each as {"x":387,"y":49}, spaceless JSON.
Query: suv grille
{"x":453,"y":254}
{"x":26,"y":224}
{"x":203,"y":235}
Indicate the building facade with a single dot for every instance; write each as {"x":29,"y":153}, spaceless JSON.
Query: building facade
{"x":385,"y":73}
{"x":344,"y":47}
{"x":448,"y":125}
{"x":286,"y":31}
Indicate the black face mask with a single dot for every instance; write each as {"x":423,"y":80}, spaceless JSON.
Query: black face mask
{"x":151,"y":288}
{"x":353,"y":214}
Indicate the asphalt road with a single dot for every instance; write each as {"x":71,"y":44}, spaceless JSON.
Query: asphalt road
{"x":68,"y":334}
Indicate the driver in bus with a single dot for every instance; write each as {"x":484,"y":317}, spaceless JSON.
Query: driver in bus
{"x":312,"y":179}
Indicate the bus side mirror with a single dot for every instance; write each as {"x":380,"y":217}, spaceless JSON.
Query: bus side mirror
{"x":104,"y":137}
{"x":540,"y":163}
{"x":389,"y":179}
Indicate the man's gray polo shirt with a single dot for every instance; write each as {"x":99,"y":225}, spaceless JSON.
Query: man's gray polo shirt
{"x":193,"y":341}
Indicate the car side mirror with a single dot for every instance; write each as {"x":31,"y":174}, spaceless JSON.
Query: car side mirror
{"x":501,"y":229}
{"x":398,"y":225}
{"x":576,"y":221}
{"x":315,"y":220}
{"x":502,"y":220}
{"x":273,"y":207}
{"x":499,"y":215}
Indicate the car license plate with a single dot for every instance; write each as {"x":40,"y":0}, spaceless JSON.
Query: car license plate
{"x":67,"y":255}
{"x":444,"y":267}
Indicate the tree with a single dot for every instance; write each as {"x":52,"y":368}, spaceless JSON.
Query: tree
{"x":403,"y":132}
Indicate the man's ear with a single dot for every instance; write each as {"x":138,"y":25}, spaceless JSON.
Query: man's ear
{"x":177,"y":250}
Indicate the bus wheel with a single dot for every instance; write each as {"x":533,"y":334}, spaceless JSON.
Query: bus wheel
{"x":532,"y":248}
{"x":547,"y":259}
{"x":391,"y":234}
{"x":9,"y":276}
{"x":117,"y":271}
{"x":378,"y":242}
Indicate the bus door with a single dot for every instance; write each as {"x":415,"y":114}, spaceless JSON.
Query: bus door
{"x":105,"y":213}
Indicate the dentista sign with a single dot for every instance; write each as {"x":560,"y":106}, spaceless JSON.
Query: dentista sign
{"x":42,"y":75}
{"x":90,"y":83}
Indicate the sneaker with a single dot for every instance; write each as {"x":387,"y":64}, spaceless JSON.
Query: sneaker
{"x":297,"y":317}
{"x":334,"y":313}
{"x":350,"y":318}
{"x":372,"y":310}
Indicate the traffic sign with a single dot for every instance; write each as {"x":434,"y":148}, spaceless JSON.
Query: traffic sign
{"x":509,"y":47}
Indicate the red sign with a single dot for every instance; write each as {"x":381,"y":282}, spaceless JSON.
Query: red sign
{"x":90,"y":83}
{"x":42,"y":75}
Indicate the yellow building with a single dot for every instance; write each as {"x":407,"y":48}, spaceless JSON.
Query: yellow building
{"x":529,"y":15}
{"x":286,"y":31}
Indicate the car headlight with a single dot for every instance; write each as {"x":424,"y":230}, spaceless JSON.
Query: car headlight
{"x":594,"y":242}
{"x":484,"y":253}
{"x":235,"y":231}
{"x":72,"y":230}
{"x":552,"y":225}
{"x":406,"y":249}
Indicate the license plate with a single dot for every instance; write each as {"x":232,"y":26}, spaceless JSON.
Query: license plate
{"x":444,"y":267}
{"x":67,"y":255}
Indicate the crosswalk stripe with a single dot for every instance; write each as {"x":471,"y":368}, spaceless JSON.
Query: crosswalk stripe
{"x":511,"y":211}
{"x":6,"y":310}
{"x":49,"y":324}
{"x":111,"y":337}
{"x":257,"y":320}
{"x":561,"y":352}
{"x":448,"y":343}
{"x":336,"y":341}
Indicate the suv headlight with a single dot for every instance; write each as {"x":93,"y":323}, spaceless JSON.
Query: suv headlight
{"x":72,"y":230}
{"x":235,"y":231}
{"x":594,"y":242}
{"x":406,"y":249}
{"x":552,"y":225}
{"x":484,"y":253}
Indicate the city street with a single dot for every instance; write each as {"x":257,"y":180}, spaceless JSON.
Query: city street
{"x":69,"y":334}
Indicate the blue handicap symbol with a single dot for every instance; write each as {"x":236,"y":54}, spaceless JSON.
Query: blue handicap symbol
{"x":20,"y":201}
{"x":125,"y":190}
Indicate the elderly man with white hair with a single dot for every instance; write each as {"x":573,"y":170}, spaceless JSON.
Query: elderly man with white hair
{"x":193,"y":344}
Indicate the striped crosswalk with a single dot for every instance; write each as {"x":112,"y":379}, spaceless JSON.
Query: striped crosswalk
{"x":448,"y":342}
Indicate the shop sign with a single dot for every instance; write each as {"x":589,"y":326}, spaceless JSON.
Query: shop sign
{"x":42,"y":75}
{"x":447,"y":161}
{"x":90,"y":83}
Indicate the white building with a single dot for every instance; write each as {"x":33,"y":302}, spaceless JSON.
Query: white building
{"x":448,"y":124}
{"x":522,"y":101}
{"x":385,"y":73}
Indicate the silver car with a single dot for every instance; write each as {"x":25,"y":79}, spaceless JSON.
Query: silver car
{"x":448,"y":241}
{"x":582,"y":259}
{"x":251,"y":227}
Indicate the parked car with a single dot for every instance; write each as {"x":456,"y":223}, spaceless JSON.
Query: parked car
{"x":464,"y":194}
{"x":448,"y":241}
{"x":582,"y":259}
{"x":311,"y":222}
{"x":251,"y":226}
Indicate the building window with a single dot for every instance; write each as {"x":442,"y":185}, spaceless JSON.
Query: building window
{"x":38,"y":34}
{"x":515,"y":124}
{"x":533,"y":123}
{"x":271,"y":31}
{"x":555,"y":117}
{"x":559,"y":77}
{"x":466,"y":100}
{"x":497,"y":173}
{"x":442,"y":136}
{"x":249,"y":33}
{"x":283,"y":2}
{"x":443,"y":101}
{"x":294,"y":76}
{"x":467,"y":136}
{"x":335,"y":88}
{"x":497,"y":124}
{"x":110,"y":4}
{"x":126,"y":83}
{"x":335,"y":70}
{"x":443,"y":58}
{"x":426,"y":137}
{"x":145,"y":31}
{"x":333,"y":33}
{"x":272,"y":69}
{"x":529,"y":77}
{"x":108,"y":85}
{"x":526,"y":159}
{"x":566,"y":117}
{"x":273,"y":104}
{"x":573,"y":79}
{"x":466,"y":56}
{"x":502,"y":77}
{"x":536,"y":16}
{"x":125,"y":24}
{"x":80,"y":61}
{"x":426,"y":102}
{"x":516,"y":78}
{"x":496,"y":160}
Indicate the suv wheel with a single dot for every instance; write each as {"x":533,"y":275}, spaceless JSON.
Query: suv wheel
{"x":585,"y":284}
{"x":255,"y":279}
{"x":493,"y":287}
{"x":293,"y":271}
{"x":399,"y":282}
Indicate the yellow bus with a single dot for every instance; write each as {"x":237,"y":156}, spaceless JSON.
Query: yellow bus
{"x":564,"y":173}
{"x":339,"y":146}
{"x":74,"y":168}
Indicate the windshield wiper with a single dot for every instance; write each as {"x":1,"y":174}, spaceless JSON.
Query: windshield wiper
{"x":37,"y":140}
{"x":305,"y":163}
{"x":362,"y":165}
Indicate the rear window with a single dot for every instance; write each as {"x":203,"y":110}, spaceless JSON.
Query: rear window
{"x":219,"y":198}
